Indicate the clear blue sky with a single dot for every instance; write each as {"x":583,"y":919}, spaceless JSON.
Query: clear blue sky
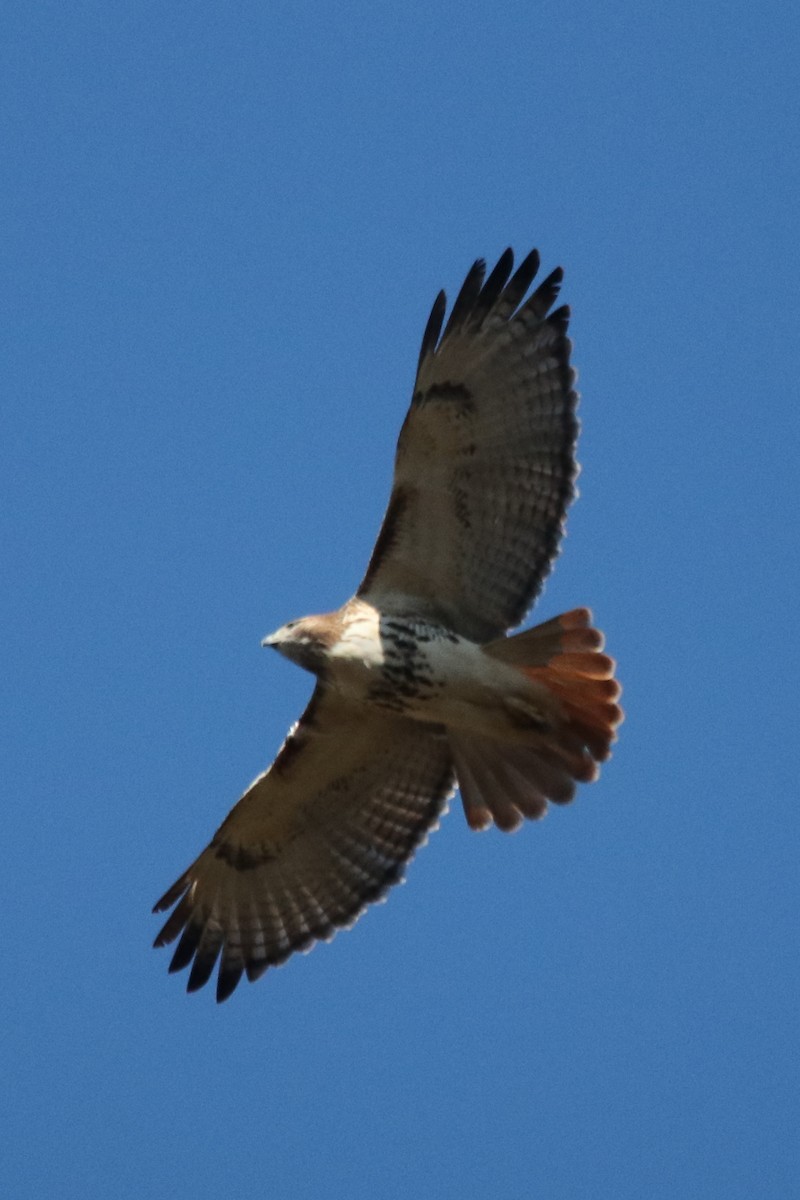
{"x":223,"y":227}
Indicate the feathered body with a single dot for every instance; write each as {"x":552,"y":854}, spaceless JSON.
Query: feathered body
{"x":417,"y":669}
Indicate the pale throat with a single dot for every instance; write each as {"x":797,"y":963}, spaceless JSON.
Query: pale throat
{"x":360,"y":641}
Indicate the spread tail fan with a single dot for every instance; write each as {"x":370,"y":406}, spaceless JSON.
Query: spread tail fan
{"x":506,"y":782}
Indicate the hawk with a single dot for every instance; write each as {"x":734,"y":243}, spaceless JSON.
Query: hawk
{"x":419,"y":687}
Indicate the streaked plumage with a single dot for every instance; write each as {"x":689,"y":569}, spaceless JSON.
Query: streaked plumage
{"x":419,"y":689}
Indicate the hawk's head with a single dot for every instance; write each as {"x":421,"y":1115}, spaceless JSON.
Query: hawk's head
{"x":307,"y":641}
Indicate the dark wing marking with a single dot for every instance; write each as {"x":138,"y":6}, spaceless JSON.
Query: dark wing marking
{"x":325,"y":831}
{"x":485,"y":466}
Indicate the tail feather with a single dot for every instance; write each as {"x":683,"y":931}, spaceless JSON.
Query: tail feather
{"x":504,"y":781}
{"x":588,"y":712}
{"x":589,"y":665}
{"x":582,"y":681}
{"x":570,"y":633}
{"x":496,"y":788}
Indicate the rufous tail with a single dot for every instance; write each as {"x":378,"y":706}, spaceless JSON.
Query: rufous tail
{"x":505,"y":782}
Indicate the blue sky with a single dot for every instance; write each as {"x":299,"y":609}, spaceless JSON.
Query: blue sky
{"x":223,"y":230}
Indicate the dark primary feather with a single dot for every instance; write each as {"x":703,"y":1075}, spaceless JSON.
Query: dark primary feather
{"x":466,"y":298}
{"x":520,"y":281}
{"x":492,"y":288}
{"x":545,"y":295}
{"x":434,"y":327}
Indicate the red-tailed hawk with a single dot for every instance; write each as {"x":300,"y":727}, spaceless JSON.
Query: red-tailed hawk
{"x":419,"y":689}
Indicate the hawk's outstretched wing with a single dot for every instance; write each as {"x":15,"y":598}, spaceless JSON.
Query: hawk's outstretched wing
{"x":327,"y":829}
{"x":485,"y":465}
